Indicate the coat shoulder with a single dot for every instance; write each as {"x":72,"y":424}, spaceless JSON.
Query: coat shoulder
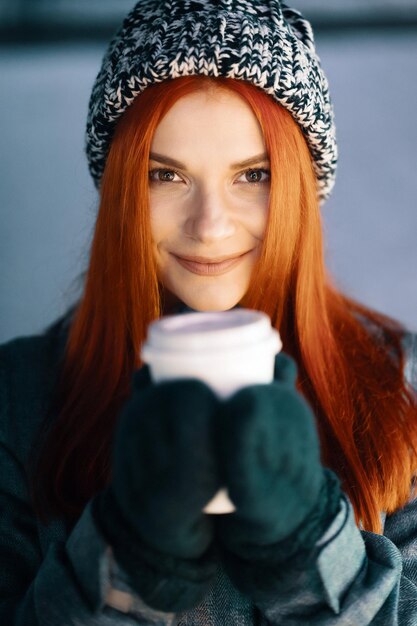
{"x":29,"y":368}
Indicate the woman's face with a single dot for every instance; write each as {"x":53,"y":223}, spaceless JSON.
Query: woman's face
{"x":209,"y":187}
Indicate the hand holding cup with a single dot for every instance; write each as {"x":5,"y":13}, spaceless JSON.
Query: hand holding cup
{"x":227,"y":350}
{"x":164,"y":472}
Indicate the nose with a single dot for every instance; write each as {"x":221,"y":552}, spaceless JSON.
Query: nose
{"x":210,"y":218}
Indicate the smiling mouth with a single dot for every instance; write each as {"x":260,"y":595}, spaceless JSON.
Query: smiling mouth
{"x":204,"y":267}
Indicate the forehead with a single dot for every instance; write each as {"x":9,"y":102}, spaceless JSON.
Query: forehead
{"x":211,"y":117}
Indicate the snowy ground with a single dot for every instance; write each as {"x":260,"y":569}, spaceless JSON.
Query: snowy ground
{"x":48,"y":203}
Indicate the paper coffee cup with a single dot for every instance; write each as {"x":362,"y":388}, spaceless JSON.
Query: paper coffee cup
{"x":228,"y":350}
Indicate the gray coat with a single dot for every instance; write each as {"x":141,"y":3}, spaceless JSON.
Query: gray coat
{"x":56,"y":576}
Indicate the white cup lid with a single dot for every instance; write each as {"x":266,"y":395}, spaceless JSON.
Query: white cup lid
{"x":209,"y":330}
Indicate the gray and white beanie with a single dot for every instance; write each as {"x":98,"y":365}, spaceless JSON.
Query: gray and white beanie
{"x":260,"y":41}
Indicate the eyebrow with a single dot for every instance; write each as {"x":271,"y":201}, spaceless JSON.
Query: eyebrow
{"x":161,"y":158}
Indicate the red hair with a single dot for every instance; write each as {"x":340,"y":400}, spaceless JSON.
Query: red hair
{"x":350,"y":358}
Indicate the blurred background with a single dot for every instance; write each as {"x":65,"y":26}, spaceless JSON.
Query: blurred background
{"x":50,"y":52}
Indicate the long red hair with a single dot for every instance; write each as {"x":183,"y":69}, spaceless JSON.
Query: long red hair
{"x":350,"y":358}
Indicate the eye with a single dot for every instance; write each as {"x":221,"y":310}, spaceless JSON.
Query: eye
{"x":159,"y":175}
{"x":257,"y":176}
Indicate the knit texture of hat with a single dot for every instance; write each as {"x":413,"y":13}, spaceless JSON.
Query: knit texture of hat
{"x":263,"y":42}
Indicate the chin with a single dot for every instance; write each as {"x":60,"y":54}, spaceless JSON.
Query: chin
{"x":216,"y":295}
{"x":212,"y":304}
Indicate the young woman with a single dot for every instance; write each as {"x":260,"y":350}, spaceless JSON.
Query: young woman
{"x":211,"y":139}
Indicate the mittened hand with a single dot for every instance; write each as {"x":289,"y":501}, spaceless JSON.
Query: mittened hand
{"x":164,"y":473}
{"x":164,"y":468}
{"x":270,"y":462}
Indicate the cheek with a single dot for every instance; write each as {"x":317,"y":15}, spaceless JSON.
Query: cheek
{"x":253,"y":210}
{"x":261,"y":224}
{"x":156,"y":226}
{"x":256,"y":221}
{"x":161,"y":221}
{"x":166,"y":214}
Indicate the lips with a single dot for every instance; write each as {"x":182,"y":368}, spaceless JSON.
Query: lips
{"x":211,"y":268}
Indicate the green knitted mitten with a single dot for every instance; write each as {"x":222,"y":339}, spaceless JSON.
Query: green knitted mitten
{"x":270,"y":462}
{"x":164,"y":473}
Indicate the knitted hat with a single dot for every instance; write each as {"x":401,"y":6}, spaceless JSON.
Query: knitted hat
{"x":260,"y":41}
